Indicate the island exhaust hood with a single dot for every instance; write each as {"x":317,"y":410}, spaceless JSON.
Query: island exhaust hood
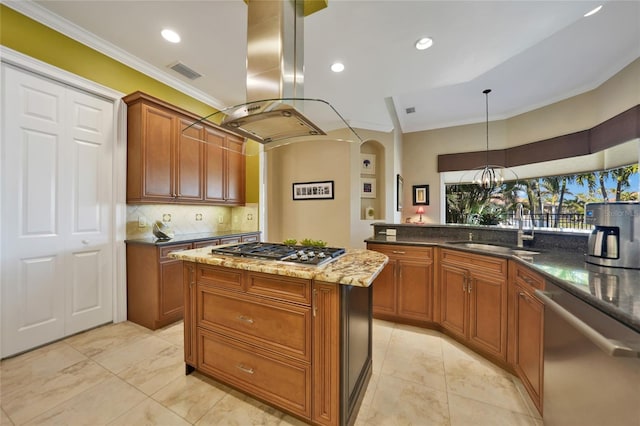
{"x":275,"y":102}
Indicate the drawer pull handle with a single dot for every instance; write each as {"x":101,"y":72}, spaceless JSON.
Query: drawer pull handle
{"x":245,"y":319}
{"x":398,"y":252}
{"x":525,"y":297}
{"x":245,"y":369}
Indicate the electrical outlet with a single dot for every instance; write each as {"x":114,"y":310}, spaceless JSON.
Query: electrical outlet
{"x":198,"y":216}
{"x":220,"y":219}
{"x":166,"y":217}
{"x":142,"y":222}
{"x":391,"y":232}
{"x":249,"y":216}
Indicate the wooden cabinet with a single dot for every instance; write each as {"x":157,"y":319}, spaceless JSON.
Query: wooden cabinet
{"x":171,"y":160}
{"x":225,"y":168}
{"x":155,"y":294}
{"x":473,"y":300}
{"x":404,"y":288}
{"x":526,"y":329}
{"x":253,"y":331}
{"x":154,"y":284}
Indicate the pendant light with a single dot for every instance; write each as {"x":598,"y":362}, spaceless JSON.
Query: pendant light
{"x":490,"y":176}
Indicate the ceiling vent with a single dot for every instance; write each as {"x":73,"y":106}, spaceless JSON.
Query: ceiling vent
{"x":410,"y":110}
{"x":184,"y":70}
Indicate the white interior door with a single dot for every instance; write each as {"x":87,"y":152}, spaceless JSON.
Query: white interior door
{"x":56,"y":210}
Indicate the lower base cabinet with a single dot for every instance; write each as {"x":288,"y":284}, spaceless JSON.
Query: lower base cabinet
{"x":526,"y":330}
{"x":473,"y":305}
{"x":404,"y":289}
{"x":300,"y":345}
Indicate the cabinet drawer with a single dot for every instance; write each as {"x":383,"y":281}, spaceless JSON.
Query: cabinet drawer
{"x":200,"y":244}
{"x":526,"y":277}
{"x":213,"y":276}
{"x":465,"y":259}
{"x":287,"y":289}
{"x":165,"y":250}
{"x":250,"y":238}
{"x":402,"y":251}
{"x":230,"y":240}
{"x":282,"y":382}
{"x":282,"y":327}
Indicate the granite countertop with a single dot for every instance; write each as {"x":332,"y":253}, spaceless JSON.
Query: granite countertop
{"x":614,"y":291}
{"x":188,"y":238}
{"x":357,"y":267}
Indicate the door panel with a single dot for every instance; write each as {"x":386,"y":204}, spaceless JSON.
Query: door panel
{"x":88,"y":271}
{"x":56,"y":210}
{"x":453,"y":299}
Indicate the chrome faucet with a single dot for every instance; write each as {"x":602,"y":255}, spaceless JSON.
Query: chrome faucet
{"x":521,"y":234}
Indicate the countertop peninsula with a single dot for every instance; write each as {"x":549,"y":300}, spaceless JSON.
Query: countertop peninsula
{"x":564,"y":267}
{"x":357,"y":267}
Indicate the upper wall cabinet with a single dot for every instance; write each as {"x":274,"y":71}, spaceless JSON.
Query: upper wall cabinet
{"x":166,"y":163}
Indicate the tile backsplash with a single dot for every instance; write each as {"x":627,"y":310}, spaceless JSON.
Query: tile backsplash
{"x":190,"y":219}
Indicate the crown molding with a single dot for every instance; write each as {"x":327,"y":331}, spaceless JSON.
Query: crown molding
{"x":75,"y":32}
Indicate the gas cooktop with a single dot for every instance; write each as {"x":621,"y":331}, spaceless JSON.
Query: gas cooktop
{"x":303,"y":255}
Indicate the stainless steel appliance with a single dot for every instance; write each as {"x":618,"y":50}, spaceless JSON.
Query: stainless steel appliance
{"x":591,"y":364}
{"x":303,"y":255}
{"x":615,"y":240}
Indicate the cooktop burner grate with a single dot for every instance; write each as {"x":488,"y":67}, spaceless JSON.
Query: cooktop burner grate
{"x":273,"y":251}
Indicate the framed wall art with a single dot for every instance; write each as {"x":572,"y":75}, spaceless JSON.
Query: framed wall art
{"x":367,"y":188}
{"x":313,"y":190}
{"x":368,"y":164}
{"x":420,"y":195}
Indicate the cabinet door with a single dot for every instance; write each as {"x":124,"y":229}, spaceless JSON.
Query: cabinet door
{"x":529,"y":326}
{"x":453,"y":303}
{"x":157,"y":150}
{"x":235,"y":171}
{"x":488,"y":313}
{"x":189,"y":161}
{"x":214,"y":166}
{"x":171,"y":292}
{"x":384,"y":290}
{"x":415,"y":289}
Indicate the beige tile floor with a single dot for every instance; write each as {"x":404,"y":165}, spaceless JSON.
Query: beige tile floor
{"x":124,"y":374}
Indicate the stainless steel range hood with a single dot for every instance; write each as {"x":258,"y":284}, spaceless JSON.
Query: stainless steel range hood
{"x":275,"y":99}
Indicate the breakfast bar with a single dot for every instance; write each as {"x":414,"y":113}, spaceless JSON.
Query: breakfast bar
{"x":295,"y":336}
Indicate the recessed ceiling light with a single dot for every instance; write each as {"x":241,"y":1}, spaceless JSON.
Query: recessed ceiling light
{"x":424,"y":43}
{"x":593,"y":12}
{"x":337,"y":67}
{"x":170,"y":36}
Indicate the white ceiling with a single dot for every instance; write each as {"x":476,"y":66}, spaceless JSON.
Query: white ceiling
{"x":530,"y":53}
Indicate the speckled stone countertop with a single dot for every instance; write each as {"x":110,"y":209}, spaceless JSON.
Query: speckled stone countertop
{"x":614,"y":291}
{"x":357,"y":267}
{"x":188,"y":238}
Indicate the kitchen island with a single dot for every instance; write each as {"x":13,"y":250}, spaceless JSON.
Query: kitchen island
{"x":295,"y":336}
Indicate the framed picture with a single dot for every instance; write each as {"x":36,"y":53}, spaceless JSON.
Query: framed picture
{"x":367,"y":188}
{"x":399,"y":189}
{"x":313,"y":190}
{"x":368,"y":164}
{"x":420,"y":195}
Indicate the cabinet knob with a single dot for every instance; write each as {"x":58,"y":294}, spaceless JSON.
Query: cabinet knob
{"x":85,"y":242}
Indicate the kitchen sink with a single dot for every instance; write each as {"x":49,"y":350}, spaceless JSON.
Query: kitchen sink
{"x":494,"y":248}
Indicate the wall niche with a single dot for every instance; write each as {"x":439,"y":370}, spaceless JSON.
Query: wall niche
{"x":372,"y":191}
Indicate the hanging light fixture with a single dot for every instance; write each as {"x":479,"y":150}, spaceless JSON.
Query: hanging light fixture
{"x":489,"y":176}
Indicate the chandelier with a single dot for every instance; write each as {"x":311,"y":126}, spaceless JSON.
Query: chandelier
{"x":489,"y":176}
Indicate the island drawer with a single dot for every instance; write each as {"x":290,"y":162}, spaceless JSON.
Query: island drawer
{"x":288,"y":289}
{"x":402,"y":251}
{"x":284,"y":328}
{"x":282,"y":382}
{"x":221,"y":277}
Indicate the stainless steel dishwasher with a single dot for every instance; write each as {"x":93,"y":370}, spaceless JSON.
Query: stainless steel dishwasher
{"x":591,"y":364}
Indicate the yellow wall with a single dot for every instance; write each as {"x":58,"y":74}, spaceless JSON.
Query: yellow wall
{"x":31,"y":38}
